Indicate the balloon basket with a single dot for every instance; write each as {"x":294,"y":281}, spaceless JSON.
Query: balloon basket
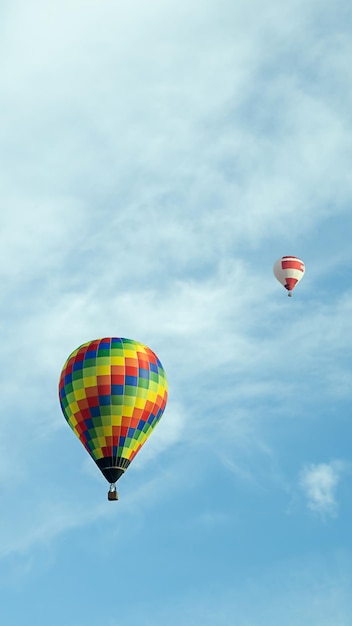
{"x":289,"y":294}
{"x":112,"y":493}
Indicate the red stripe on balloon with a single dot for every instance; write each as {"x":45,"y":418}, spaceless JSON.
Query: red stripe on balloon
{"x":290,"y":283}
{"x":292,"y":265}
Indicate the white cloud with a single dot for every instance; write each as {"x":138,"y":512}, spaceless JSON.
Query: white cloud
{"x":213,"y":128}
{"x":319,"y":483}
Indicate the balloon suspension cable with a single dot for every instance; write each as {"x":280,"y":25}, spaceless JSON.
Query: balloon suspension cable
{"x":112,"y":493}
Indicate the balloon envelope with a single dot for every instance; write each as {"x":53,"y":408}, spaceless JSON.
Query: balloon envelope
{"x":289,"y":270}
{"x":113,"y":392}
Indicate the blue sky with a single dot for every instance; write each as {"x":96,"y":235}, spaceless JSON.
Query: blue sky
{"x":156,"y":159}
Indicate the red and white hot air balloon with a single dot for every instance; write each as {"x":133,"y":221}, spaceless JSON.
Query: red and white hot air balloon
{"x":289,"y":271}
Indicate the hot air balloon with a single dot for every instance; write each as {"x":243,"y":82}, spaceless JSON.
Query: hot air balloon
{"x":289,"y":271}
{"x":113,"y":392}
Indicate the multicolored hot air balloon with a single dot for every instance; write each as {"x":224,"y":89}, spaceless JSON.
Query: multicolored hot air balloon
{"x":289,"y":271}
{"x":113,"y":392}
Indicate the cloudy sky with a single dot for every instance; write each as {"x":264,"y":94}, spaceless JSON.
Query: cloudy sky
{"x":155,"y":160}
